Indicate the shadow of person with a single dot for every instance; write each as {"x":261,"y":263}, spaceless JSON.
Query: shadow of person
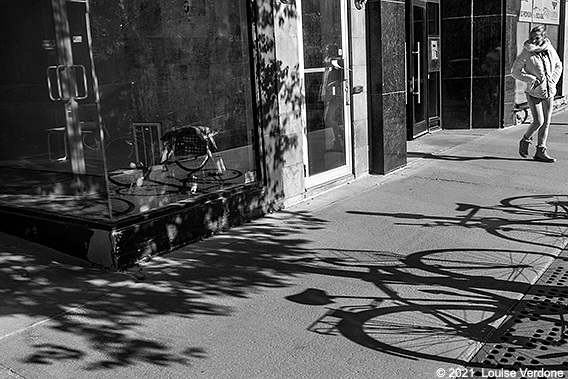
{"x":460,"y":158}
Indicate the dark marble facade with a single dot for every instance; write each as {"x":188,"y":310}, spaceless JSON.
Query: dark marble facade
{"x":478,"y":40}
{"x":487,"y":69}
{"x":487,"y":7}
{"x":456,"y":68}
{"x":455,"y":8}
{"x":479,"y":45}
{"x":512,"y":8}
{"x":387,"y":121}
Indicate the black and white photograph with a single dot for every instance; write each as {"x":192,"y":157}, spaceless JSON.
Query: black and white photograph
{"x":283,"y":189}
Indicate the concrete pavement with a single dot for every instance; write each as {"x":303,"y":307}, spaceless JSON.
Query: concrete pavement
{"x":397,"y":276}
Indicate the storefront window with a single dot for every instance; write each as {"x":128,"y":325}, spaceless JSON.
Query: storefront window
{"x":118,"y":108}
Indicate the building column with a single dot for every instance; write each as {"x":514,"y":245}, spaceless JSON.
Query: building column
{"x":512,"y":9}
{"x":359,"y":101}
{"x":386,"y":32}
{"x":564,"y":54}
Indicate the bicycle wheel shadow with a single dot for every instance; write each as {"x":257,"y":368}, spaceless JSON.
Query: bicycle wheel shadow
{"x":466,"y":299}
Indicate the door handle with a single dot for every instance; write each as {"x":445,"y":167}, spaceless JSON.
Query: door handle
{"x":419,"y":72}
{"x":54,"y":73}
{"x":74,"y":68}
{"x":405,"y":75}
{"x":51,"y":69}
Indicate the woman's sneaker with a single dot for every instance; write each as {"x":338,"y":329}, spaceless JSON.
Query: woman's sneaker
{"x":542,"y":156}
{"x":524,"y":147}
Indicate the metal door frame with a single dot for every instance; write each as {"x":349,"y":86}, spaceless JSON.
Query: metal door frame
{"x":417,"y":86}
{"x":68,"y":76}
{"x":317,"y":179}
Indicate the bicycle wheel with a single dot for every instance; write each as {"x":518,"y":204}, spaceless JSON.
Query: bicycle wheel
{"x":192,"y":164}
{"x":119,"y":154}
{"x":155,"y":183}
{"x":91,"y":141}
{"x":214,"y":176}
{"x":121,"y":207}
{"x":127,"y":177}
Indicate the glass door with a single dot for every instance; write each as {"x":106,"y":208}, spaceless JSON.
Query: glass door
{"x":46,"y":61}
{"x":417,"y":69}
{"x":434,"y":66}
{"x":46,"y":86}
{"x":66,"y":79}
{"x":31,"y":109}
{"x":325,"y":72}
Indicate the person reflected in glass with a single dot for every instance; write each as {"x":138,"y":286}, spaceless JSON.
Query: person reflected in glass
{"x":539,"y":66}
{"x":331,"y":95}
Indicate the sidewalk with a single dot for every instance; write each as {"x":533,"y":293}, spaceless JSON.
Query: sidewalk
{"x":397,"y":276}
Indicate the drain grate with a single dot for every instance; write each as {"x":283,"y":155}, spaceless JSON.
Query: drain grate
{"x":535,"y":336}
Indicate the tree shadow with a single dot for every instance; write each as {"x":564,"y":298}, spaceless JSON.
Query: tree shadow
{"x":459,"y":296}
{"x":107,"y":310}
{"x":275,"y":91}
{"x":279,"y":93}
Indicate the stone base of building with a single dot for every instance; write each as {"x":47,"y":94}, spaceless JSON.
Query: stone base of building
{"x":122,"y":244}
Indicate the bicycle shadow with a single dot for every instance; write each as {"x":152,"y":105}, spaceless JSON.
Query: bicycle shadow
{"x":458,"y":311}
{"x":542,"y":217}
{"x":431,"y":305}
{"x":480,"y":308}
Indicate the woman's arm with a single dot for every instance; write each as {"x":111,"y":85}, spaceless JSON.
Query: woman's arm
{"x":557,"y":66}
{"x":518,"y":69}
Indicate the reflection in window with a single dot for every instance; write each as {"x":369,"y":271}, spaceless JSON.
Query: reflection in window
{"x":170,"y":68}
{"x":145,"y":69}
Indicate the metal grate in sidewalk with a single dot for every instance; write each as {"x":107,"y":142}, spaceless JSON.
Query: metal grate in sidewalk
{"x":535,"y":335}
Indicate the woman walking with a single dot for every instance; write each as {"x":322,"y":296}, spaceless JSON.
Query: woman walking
{"x":539,"y":66}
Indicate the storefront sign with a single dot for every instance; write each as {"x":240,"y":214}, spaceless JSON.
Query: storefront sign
{"x":540,"y":11}
{"x":526,"y":11}
{"x":546,"y":11}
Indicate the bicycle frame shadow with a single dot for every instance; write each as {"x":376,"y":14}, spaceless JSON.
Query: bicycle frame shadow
{"x":540,"y":217}
{"x":446,"y":322}
{"x":461,"y":298}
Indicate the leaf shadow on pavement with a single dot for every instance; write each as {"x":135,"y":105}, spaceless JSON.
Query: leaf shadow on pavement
{"x":102,"y":313}
{"x":462,"y":293}
{"x":97,"y":318}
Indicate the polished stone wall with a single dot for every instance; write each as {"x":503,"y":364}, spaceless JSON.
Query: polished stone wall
{"x":456,"y":63}
{"x":479,"y":43}
{"x":512,"y":9}
{"x":386,"y":31}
